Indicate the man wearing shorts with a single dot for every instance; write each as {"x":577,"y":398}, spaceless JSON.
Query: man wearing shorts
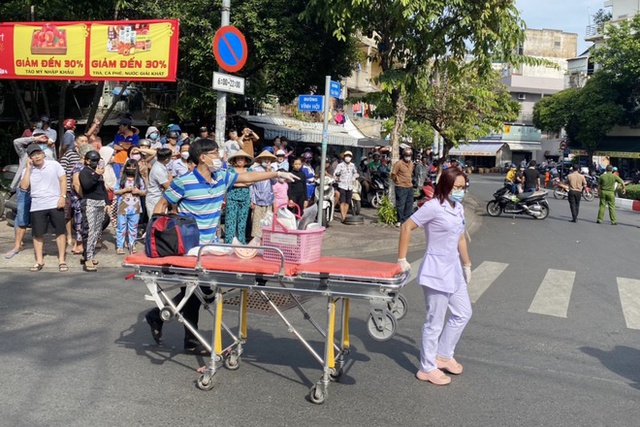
{"x":345,"y":174}
{"x":47,"y":182}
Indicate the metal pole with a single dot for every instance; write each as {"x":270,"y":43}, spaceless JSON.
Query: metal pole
{"x":221,"y":105}
{"x":323,"y":157}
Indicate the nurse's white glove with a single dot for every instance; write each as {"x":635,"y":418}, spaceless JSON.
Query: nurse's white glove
{"x":466,"y":271}
{"x":288,"y":176}
{"x":404,"y":265}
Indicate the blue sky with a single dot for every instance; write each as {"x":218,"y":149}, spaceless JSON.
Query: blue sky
{"x":571,"y":16}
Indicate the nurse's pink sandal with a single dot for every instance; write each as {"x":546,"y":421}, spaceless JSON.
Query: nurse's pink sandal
{"x":449,"y":365}
{"x":436,"y":377}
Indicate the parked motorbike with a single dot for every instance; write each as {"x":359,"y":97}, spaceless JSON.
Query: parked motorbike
{"x":561,"y":191}
{"x":7,"y":202}
{"x":378,"y":188}
{"x":327,"y":204}
{"x":426,"y":191}
{"x":532,"y":203}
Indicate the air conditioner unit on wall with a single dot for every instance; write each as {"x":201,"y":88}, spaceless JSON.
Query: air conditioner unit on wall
{"x":522,"y":96}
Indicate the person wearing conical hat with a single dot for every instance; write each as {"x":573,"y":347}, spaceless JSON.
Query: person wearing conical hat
{"x":236,"y":211}
{"x":262,"y":197}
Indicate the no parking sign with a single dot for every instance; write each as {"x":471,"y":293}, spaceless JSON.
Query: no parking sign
{"x":230,"y":48}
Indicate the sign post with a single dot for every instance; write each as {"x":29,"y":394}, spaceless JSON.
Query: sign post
{"x":221,"y":97}
{"x":325,"y":138}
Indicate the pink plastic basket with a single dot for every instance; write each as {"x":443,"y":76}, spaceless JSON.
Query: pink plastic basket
{"x":298,"y":246}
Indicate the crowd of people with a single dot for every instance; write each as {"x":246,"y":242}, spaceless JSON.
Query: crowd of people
{"x":120,"y":183}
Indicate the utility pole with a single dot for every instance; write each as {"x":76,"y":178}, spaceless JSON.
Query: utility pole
{"x":221,"y":105}
{"x":325,"y":138}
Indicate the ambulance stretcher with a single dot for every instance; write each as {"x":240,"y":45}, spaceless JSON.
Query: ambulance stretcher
{"x":213,"y":277}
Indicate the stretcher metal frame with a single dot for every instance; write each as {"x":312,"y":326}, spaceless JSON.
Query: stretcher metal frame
{"x":211,"y":286}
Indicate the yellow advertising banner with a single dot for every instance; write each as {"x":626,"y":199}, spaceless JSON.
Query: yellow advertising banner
{"x":130,"y":51}
{"x":102,"y":50}
{"x":50,"y":50}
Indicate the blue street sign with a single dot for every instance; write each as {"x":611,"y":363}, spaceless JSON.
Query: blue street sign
{"x":310,"y":103}
{"x":334,"y":89}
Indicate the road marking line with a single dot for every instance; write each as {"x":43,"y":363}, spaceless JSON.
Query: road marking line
{"x":630,"y":300}
{"x":554,"y":293}
{"x":483,"y":276}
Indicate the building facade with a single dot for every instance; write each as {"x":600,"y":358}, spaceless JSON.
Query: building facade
{"x":528,"y":84}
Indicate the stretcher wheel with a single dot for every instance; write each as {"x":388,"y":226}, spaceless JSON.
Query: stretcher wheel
{"x":205,"y":382}
{"x":335,"y":374}
{"x":317,"y":396}
{"x":398,"y":307}
{"x":166,"y":314}
{"x":382,"y":326}
{"x":232,"y":362}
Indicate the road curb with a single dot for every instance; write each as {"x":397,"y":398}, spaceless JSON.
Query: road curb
{"x":627,"y":205}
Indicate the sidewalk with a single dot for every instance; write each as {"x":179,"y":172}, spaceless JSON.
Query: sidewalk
{"x":357,"y":241}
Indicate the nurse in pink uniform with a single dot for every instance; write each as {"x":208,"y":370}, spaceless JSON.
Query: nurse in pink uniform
{"x":444,"y":274}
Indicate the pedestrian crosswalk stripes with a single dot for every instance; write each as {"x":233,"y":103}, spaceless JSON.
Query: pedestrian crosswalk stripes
{"x":554,"y":293}
{"x":629,"y":290}
{"x":483,"y":276}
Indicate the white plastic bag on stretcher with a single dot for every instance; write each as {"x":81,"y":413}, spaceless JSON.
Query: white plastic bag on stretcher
{"x":210,"y":250}
{"x":287,"y":219}
{"x":308,"y":217}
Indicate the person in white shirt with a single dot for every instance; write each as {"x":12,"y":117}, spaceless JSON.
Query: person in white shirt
{"x":345,"y":174}
{"x":47,"y":181}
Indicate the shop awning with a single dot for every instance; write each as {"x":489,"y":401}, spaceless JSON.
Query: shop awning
{"x":373,"y":142}
{"x":477,"y":149}
{"x":614,"y":146}
{"x":524,"y":146}
{"x":297,"y":130}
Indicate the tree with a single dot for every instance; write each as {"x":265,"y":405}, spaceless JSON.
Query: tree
{"x":601,"y":16}
{"x":414,"y":35}
{"x":587,"y":114}
{"x":462,"y":107}
{"x":620,"y":65}
{"x":552,"y":113}
{"x":288,"y":55}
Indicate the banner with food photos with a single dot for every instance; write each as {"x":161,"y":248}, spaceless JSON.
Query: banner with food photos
{"x":145,"y":50}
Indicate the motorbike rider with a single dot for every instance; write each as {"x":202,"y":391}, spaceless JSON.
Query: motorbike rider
{"x":345,"y":174}
{"x":511,"y":179}
{"x":531,"y":177}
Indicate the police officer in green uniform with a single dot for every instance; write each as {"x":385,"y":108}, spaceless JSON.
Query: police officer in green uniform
{"x":606,"y":188}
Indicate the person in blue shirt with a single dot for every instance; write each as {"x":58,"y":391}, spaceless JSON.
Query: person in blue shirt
{"x":309,"y":173}
{"x":200,"y":193}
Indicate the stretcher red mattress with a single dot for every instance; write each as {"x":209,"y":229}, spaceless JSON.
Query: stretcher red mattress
{"x":337,"y":266}
{"x":332,"y":266}
{"x":227,"y":263}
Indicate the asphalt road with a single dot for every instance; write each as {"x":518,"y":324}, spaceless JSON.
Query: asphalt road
{"x":549,"y":344}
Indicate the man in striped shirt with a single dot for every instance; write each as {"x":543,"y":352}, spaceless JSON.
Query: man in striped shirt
{"x":200,"y":193}
{"x":68,"y":162}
